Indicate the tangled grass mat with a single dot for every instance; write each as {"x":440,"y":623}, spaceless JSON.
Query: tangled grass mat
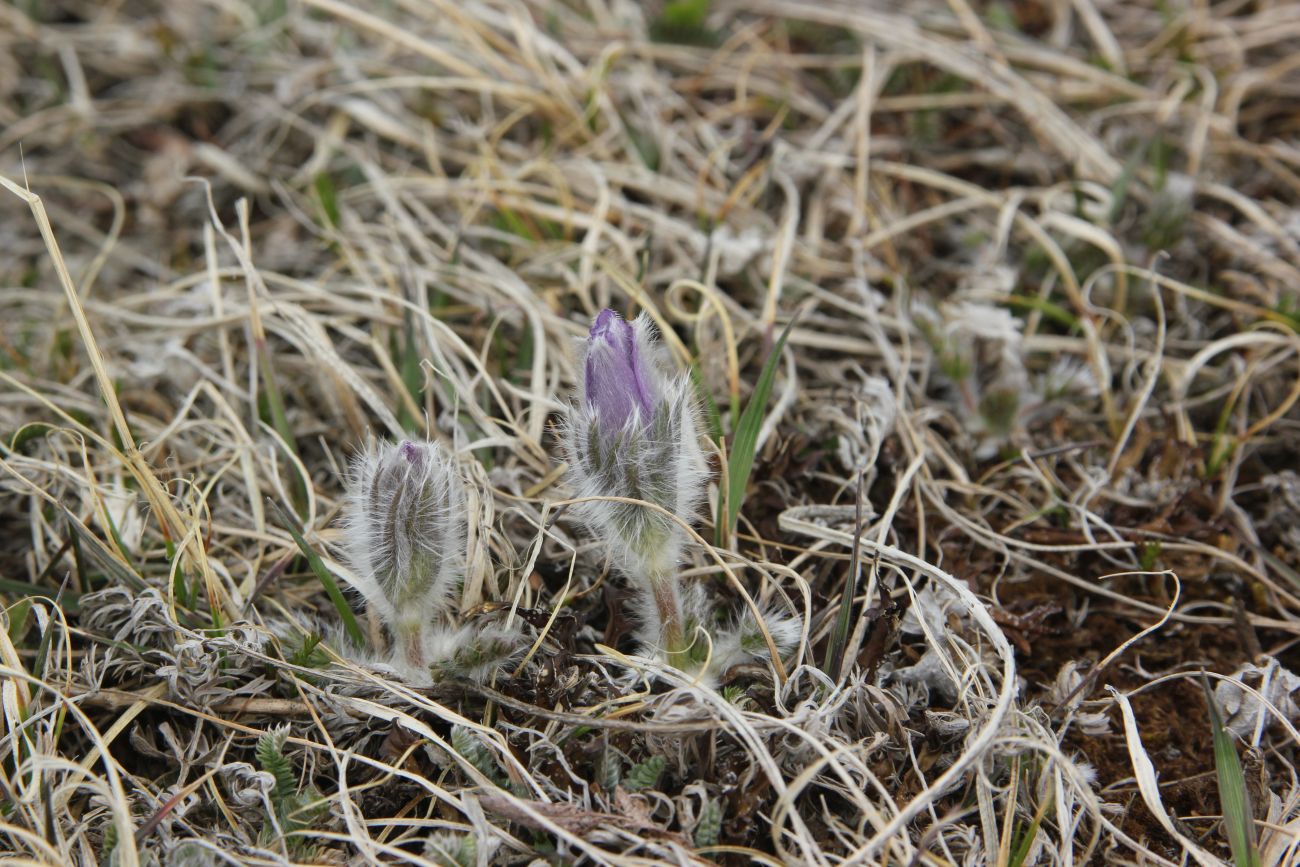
{"x":990,"y":312}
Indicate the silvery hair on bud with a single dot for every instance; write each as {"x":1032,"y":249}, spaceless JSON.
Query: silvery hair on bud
{"x":656,"y":459}
{"x":405,"y":529}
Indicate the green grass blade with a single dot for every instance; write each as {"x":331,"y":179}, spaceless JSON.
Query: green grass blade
{"x":839,"y":639}
{"x":70,"y":602}
{"x":273,"y":403}
{"x":99,"y":554}
{"x":326,"y":579}
{"x":16,"y":620}
{"x":1238,"y":820}
{"x":1026,"y":838}
{"x":741,"y":461}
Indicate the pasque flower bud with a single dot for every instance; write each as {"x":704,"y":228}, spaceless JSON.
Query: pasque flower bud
{"x":633,"y":434}
{"x":406,"y":538}
{"x":617,"y":380}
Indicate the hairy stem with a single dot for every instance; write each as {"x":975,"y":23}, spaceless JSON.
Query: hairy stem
{"x":410,"y":636}
{"x":672,"y":625}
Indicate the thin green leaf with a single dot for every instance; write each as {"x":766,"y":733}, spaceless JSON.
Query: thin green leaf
{"x":1026,"y":839}
{"x":1280,"y":567}
{"x":412,"y":376}
{"x":839,"y":640}
{"x":326,"y":579}
{"x":328,"y":195}
{"x":271,"y":757}
{"x":272,"y":401}
{"x":1238,"y":820}
{"x":98,"y":554}
{"x":741,"y":461}
{"x":1049,"y":309}
{"x":70,"y":601}
{"x":26,"y":434}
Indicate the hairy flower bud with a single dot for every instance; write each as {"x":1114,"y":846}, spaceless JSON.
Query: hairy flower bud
{"x":633,"y":434}
{"x":406,"y":537}
{"x":618,"y":382}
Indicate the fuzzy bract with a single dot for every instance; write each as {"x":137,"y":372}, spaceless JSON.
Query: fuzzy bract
{"x":743,"y":640}
{"x":406,"y":532}
{"x":634,"y":434}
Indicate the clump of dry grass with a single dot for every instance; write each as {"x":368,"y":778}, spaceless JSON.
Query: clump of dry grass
{"x":1026,"y":470}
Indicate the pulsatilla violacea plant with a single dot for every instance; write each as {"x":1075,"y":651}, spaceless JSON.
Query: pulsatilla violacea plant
{"x":406,"y":535}
{"x":633,"y":434}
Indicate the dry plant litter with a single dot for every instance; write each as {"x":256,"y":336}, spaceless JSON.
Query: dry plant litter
{"x":992,"y":310}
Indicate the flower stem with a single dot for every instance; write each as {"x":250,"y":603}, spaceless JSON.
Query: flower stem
{"x":411,"y":637}
{"x":672,"y":625}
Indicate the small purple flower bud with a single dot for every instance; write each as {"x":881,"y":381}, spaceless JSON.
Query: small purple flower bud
{"x":413,"y":453}
{"x":633,"y":434}
{"x":406,"y":537}
{"x":617,"y":381}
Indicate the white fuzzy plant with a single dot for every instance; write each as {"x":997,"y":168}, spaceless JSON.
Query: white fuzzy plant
{"x":633,"y":434}
{"x":406,"y":535}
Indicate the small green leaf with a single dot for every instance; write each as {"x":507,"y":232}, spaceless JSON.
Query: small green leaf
{"x":610,"y":768}
{"x":452,"y":850}
{"x":645,"y":775}
{"x":1238,"y":820}
{"x":308,"y":653}
{"x":741,"y":460}
{"x":683,"y":22}
{"x":326,"y":579}
{"x":1149,"y":555}
{"x":464,"y":742}
{"x":709,"y":828}
{"x":271,"y":758}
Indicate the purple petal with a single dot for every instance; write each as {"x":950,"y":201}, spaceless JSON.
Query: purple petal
{"x":414,"y":454}
{"x":616,"y":382}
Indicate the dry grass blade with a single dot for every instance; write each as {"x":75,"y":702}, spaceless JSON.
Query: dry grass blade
{"x":1021,"y":464}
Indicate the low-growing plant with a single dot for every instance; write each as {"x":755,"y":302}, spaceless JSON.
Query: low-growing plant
{"x":406,"y":533}
{"x":634,"y":435}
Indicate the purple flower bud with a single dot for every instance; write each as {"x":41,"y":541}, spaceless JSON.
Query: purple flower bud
{"x":413,"y":453}
{"x":618,"y":382}
{"x":633,"y":435}
{"x":406,"y":535}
